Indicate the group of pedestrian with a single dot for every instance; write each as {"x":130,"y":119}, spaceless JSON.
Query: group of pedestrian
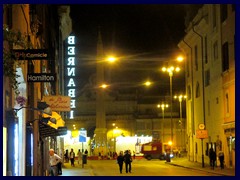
{"x":125,"y":158}
{"x":213,"y":158}
{"x":79,"y":153}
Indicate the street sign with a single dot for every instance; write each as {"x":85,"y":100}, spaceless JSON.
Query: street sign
{"x":41,"y":77}
{"x":201,"y":134}
{"x":30,"y":54}
{"x":83,"y":136}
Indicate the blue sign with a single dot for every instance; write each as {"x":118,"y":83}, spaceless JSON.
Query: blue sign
{"x":83,"y":136}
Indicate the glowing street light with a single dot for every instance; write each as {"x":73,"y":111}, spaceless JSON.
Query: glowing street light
{"x":147,"y":83}
{"x":180,"y":98}
{"x":180,"y":58}
{"x":111,"y":59}
{"x":104,"y":86}
{"x":170,"y":71}
{"x":162,"y":106}
{"x":113,"y":137}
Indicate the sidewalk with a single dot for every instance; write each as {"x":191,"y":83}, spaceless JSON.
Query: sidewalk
{"x":184,"y":162}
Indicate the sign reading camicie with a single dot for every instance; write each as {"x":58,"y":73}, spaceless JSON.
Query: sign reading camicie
{"x":70,"y":71}
{"x":41,"y":77}
{"x":58,"y":103}
{"x":30,"y":54}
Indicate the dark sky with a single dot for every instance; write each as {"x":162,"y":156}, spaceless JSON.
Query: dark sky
{"x":129,"y":28}
{"x":136,"y":33}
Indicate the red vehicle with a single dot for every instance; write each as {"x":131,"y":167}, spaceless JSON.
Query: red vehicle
{"x":155,"y":150}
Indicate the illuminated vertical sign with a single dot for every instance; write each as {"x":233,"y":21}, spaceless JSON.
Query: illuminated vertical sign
{"x":71,"y":73}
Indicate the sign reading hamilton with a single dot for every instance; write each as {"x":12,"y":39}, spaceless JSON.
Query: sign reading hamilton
{"x":41,"y":77}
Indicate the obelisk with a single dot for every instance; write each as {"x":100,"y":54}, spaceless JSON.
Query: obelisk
{"x":101,"y":130}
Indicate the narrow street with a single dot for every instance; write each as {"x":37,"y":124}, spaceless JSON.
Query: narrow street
{"x":143,"y":167}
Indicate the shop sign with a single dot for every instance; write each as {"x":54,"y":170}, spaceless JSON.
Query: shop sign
{"x":30,"y":54}
{"x":58,"y":103}
{"x":201,"y":134}
{"x":41,"y":77}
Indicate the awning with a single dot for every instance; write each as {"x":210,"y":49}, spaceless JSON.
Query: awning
{"x":57,"y":117}
{"x":46,"y":130}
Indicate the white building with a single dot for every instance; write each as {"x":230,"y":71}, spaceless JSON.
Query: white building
{"x":209,"y":46}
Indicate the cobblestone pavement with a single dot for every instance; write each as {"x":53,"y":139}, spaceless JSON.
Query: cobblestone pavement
{"x":86,"y":170}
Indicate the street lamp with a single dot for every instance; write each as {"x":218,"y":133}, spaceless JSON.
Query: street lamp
{"x":170,"y":71}
{"x":113,"y":124}
{"x":115,"y":131}
{"x":180,"y":98}
{"x":162,"y":106}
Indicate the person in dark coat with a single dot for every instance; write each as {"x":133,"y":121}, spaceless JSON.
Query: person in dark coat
{"x":128,"y":161}
{"x":212,"y":156}
{"x":120,"y":160}
{"x":221,"y":159}
{"x":72,"y":157}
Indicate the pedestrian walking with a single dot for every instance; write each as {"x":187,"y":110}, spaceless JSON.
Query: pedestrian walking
{"x":79,"y":156}
{"x":120,"y":160}
{"x":54,"y":160}
{"x":72,"y":157}
{"x":66,"y":156}
{"x":221,"y":159}
{"x":212,"y":156}
{"x":134,"y":155}
{"x":128,"y":161}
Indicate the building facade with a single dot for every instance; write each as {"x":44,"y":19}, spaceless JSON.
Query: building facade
{"x":209,"y":46}
{"x":35,"y":29}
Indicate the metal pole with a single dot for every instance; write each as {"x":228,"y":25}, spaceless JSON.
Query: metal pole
{"x":163,"y":120}
{"x":180,"y":101}
{"x":35,"y":147}
{"x":202,"y":154}
{"x":170,"y":75}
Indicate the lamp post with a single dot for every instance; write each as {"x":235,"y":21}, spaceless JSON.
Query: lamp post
{"x":113,"y":136}
{"x":170,"y":71}
{"x":162,"y":106}
{"x":180,"y":98}
{"x":113,"y":124}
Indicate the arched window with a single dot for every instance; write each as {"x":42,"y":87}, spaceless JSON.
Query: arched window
{"x":197,"y":90}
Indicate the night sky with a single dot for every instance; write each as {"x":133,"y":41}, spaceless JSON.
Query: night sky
{"x":142,"y":35}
